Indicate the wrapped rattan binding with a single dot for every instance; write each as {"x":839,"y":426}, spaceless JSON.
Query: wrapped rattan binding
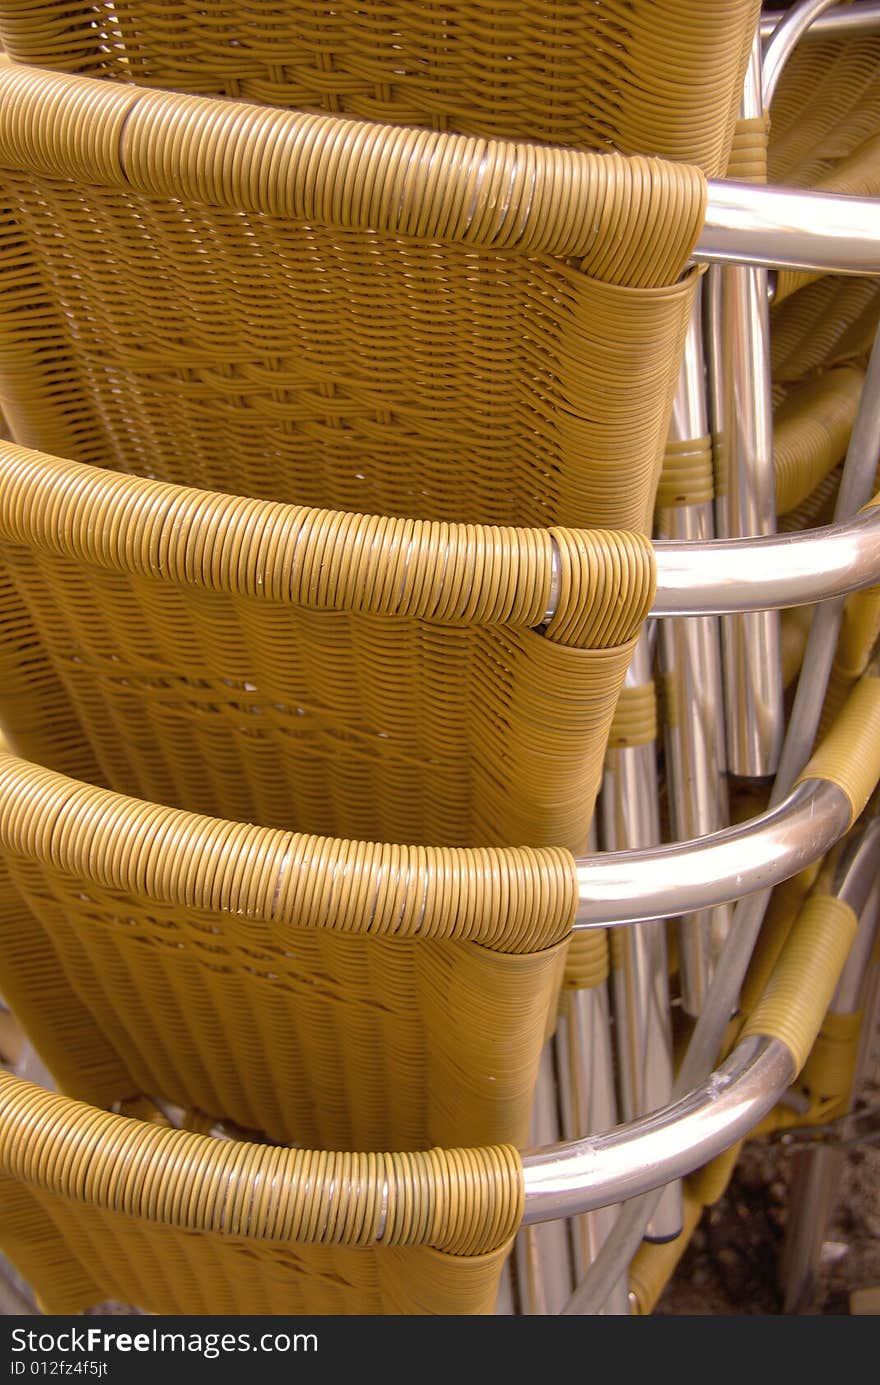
{"x":602,"y":209}
{"x":811,"y":431}
{"x":338,"y":993}
{"x":351,"y":675}
{"x":663,"y":77}
{"x":498,"y":343}
{"x":180,"y":1220}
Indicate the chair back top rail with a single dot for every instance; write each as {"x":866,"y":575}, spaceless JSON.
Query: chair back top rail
{"x":423,"y":183}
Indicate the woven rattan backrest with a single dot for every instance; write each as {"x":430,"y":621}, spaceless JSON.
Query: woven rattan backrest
{"x":315,"y":310}
{"x":318,"y":991}
{"x":826,"y":107}
{"x":336,"y":673}
{"x":96,"y":1206}
{"x":307,"y":309}
{"x":824,"y":135}
{"x":654,"y":76}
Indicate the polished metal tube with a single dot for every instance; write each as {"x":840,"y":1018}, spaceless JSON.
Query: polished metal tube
{"x":843,"y":21}
{"x":652,"y":1151}
{"x":791,"y":569}
{"x":794,"y":569}
{"x":588,"y":1103}
{"x":690,"y":657}
{"x":813,"y":1193}
{"x":738,"y":318}
{"x":702,"y":577}
{"x":630,"y":818}
{"x":787,"y":228}
{"x":542,"y":1253}
{"x":662,"y":882}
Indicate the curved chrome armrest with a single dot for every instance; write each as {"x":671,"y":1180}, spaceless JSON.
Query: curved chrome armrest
{"x":788,"y":228}
{"x":661,"y":882}
{"x":565,"y":1179}
{"x":797,"y":569}
{"x":577,"y":1176}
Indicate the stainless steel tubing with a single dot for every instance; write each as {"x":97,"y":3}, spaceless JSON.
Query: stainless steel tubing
{"x":690,"y":656}
{"x":663,"y":882}
{"x":542,"y":1253}
{"x":815,"y":1179}
{"x":588,"y":1102}
{"x":568,"y":1179}
{"x":787,"y":228}
{"x":738,"y":316}
{"x":623,"y":1242}
{"x":630,"y":818}
{"x":782,"y":42}
{"x":791,"y":569}
{"x":860,"y":17}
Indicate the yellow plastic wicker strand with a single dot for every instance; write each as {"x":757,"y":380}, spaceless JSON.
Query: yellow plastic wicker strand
{"x":849,"y":756}
{"x":661,"y":77}
{"x":803,"y":981}
{"x":462,"y":1201}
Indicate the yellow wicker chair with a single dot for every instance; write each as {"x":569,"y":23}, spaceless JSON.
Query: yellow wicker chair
{"x":662,"y":77}
{"x":318,"y":991}
{"x":346,"y":315}
{"x":549,"y":362}
{"x":97,"y":1206}
{"x":342,"y":674}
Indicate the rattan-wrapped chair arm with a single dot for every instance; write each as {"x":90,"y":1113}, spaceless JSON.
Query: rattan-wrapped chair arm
{"x":512,"y":899}
{"x":447,"y":572}
{"x":585,"y":587}
{"x":463,"y":1201}
{"x":602,"y":209}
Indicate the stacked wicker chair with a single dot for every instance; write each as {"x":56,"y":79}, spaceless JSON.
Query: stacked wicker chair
{"x":337,"y":359}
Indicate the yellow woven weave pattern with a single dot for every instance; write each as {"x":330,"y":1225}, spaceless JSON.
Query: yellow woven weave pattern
{"x":324,"y":992}
{"x":34,"y":986}
{"x":203,"y":684}
{"x":36,"y":716}
{"x":826,"y":106}
{"x":268,"y":355}
{"x":77,"y":1257}
{"x":827,"y":323}
{"x":824,"y":123}
{"x":811,"y":433}
{"x":661,"y":77}
{"x":174,"y":1216}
